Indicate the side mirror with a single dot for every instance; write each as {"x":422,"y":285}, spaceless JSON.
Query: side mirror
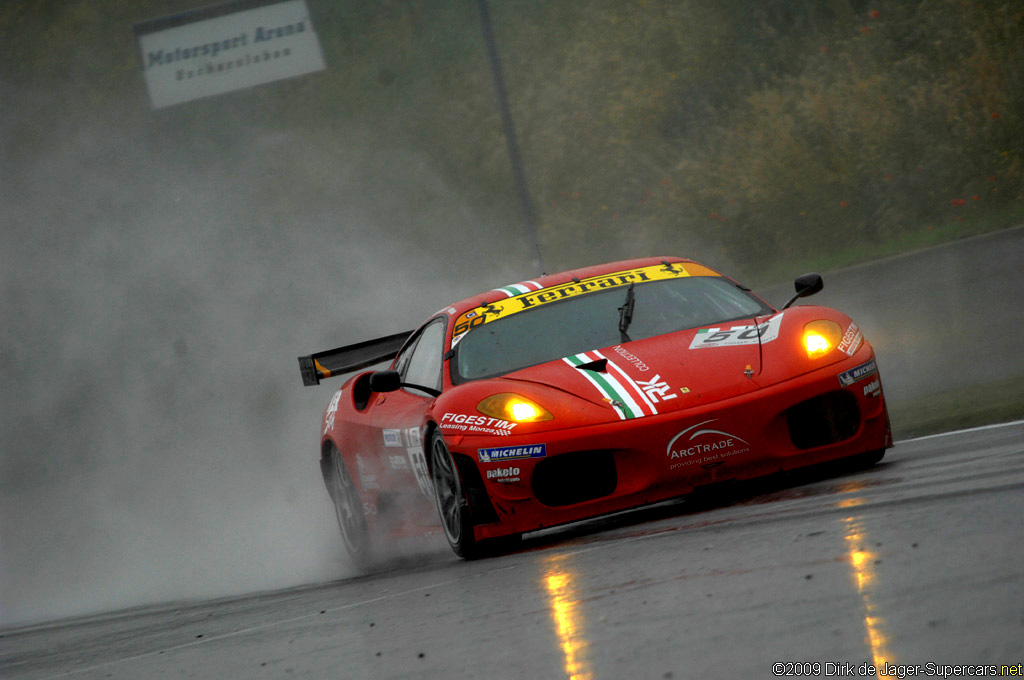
{"x":806,"y":285}
{"x":385,"y":381}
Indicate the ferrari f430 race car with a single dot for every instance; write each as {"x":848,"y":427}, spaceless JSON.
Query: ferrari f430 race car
{"x":585,"y":393}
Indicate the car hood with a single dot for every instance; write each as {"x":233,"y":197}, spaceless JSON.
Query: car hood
{"x":662,"y":373}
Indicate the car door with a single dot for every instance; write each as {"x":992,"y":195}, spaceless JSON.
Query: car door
{"x":396,"y":417}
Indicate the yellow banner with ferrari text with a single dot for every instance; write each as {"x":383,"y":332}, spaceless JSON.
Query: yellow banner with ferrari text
{"x":518,"y":303}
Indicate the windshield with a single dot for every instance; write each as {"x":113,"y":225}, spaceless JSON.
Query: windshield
{"x":592,"y":321}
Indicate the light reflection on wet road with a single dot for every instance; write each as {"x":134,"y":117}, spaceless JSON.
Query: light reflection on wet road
{"x":914,"y":561}
{"x":559,"y":579}
{"x":862,"y":558}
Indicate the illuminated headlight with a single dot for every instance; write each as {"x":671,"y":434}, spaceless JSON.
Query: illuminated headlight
{"x":513,"y":408}
{"x":821,"y":337}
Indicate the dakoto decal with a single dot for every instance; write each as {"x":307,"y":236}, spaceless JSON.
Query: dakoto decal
{"x":873,"y":388}
{"x":509,"y":474}
{"x":738,"y":335}
{"x":503,"y":453}
{"x":398,"y":462}
{"x":847,"y":378}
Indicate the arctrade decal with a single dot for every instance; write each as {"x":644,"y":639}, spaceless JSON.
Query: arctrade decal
{"x":503,"y":453}
{"x":738,"y":335}
{"x":461,"y":422}
{"x":505,"y":475}
{"x":847,"y":378}
{"x":524,"y":296}
{"x":851,"y":341}
{"x":695,"y":446}
{"x":627,"y":398}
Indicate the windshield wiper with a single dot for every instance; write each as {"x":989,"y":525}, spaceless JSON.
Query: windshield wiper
{"x":626,"y":313}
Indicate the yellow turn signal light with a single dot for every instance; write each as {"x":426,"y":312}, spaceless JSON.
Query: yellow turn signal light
{"x":513,"y":408}
{"x":821,"y":337}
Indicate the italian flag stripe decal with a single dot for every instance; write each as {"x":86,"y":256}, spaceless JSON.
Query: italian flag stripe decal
{"x":609,"y":386}
{"x":629,"y":381}
{"x":519,"y":288}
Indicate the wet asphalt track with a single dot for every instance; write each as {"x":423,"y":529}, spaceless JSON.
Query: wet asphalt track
{"x":915,"y":561}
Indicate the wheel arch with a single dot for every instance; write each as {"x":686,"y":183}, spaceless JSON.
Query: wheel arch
{"x":349,"y":459}
{"x":425,"y":444}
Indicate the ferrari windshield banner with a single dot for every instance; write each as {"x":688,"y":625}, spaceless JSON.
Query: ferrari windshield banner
{"x":522,"y":297}
{"x":226,"y":47}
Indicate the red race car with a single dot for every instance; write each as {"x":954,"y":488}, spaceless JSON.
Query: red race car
{"x":585,"y":393}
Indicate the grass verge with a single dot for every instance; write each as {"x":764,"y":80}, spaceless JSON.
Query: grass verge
{"x":963,"y":407}
{"x":922,"y":237}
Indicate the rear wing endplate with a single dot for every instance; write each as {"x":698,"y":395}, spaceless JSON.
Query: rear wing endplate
{"x":332,"y":362}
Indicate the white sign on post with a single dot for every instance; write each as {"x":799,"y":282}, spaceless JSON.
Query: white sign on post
{"x":226,"y":47}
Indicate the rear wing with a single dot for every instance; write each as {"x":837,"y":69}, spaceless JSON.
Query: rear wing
{"x":316,"y":367}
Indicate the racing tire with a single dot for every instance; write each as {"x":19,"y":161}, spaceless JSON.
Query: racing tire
{"x":348,"y":508}
{"x":450,"y":498}
{"x":871,"y":457}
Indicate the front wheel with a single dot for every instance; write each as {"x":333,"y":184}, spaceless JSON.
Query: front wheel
{"x":871,"y":457}
{"x":452,"y":506}
{"x":348,"y":508}
{"x":451,"y":501}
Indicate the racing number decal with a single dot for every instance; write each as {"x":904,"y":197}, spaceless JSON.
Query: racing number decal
{"x":723,"y":336}
{"x":414,"y":449}
{"x":737,"y":335}
{"x":419,"y":467}
{"x":470,"y":323}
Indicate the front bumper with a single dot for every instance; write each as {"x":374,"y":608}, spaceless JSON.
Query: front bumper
{"x":599,"y":469}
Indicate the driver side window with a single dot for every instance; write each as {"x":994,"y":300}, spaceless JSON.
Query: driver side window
{"x":422,"y":366}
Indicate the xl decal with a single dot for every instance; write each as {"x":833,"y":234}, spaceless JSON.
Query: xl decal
{"x":656,"y":391}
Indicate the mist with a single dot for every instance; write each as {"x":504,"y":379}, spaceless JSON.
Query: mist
{"x":157,"y":441}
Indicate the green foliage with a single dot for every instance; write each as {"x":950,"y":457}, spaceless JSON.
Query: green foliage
{"x":744,"y":134}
